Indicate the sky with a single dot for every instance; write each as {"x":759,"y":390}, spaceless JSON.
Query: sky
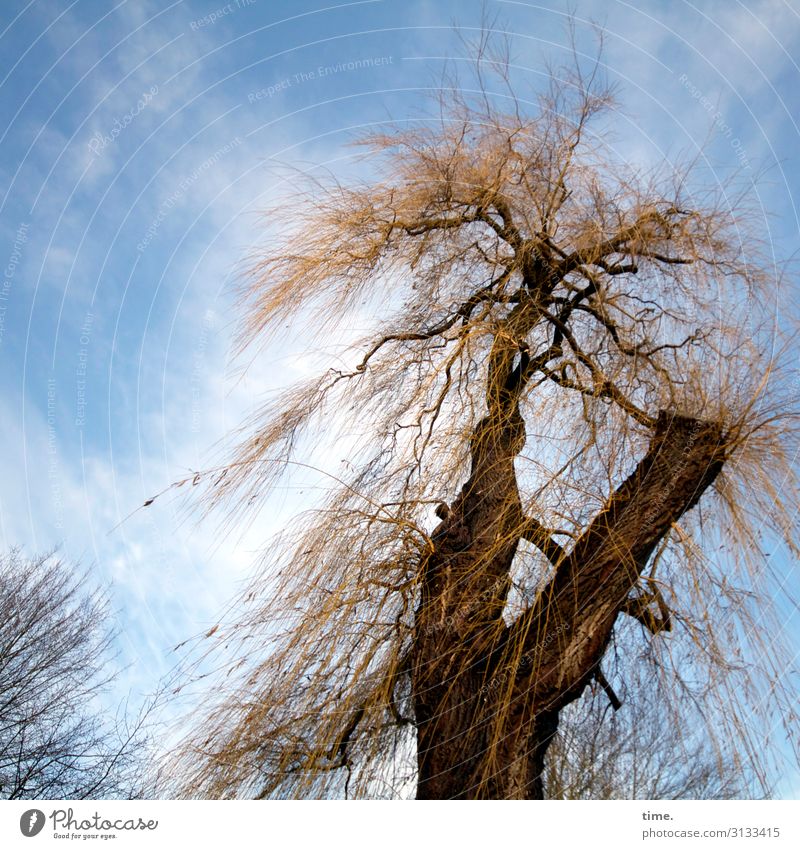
{"x":140,"y":142}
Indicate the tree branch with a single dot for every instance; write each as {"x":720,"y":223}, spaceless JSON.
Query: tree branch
{"x":607,"y":688}
{"x":588,"y":591}
{"x":536,"y":533}
{"x":597,"y":254}
{"x":639,"y":608}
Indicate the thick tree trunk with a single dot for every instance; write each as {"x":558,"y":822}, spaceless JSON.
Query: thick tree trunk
{"x":487,"y":696}
{"x":459,"y":623}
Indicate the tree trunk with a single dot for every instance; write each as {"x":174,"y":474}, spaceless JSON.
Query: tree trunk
{"x":487,"y":696}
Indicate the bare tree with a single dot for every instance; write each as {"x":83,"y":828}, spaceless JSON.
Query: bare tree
{"x":640,"y":753}
{"x":573,"y":354}
{"x":54,"y":654}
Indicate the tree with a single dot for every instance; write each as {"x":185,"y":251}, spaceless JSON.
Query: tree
{"x":572,"y":355}
{"x":602,"y":753}
{"x":54,"y":651}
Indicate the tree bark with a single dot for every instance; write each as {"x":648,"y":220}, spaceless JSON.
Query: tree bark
{"x":487,"y":696}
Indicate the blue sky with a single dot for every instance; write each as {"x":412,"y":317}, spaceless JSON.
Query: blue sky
{"x":138,"y":144}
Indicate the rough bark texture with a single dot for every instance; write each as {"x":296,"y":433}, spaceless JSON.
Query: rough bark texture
{"x":487,"y":696}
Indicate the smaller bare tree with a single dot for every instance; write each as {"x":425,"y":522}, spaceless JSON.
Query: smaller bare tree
{"x":55,"y":646}
{"x":604,"y":749}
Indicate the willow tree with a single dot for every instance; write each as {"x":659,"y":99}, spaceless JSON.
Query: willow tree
{"x":571,"y":356}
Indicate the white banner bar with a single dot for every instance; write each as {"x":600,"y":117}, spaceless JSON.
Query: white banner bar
{"x":408,"y":825}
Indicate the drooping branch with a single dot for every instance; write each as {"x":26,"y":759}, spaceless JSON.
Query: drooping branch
{"x":613,"y":698}
{"x":464,"y":312}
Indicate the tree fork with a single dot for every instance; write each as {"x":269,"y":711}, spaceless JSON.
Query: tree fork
{"x":487,"y":697}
